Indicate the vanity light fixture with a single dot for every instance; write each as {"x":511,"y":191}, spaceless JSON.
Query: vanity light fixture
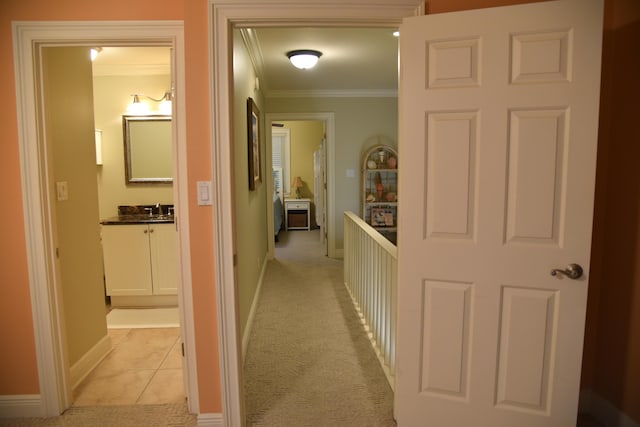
{"x":304,"y":58}
{"x":137,"y":107}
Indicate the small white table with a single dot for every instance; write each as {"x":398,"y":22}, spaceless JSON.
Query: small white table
{"x":297,"y":214}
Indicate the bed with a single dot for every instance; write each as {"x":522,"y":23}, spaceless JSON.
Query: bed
{"x":278,"y":215}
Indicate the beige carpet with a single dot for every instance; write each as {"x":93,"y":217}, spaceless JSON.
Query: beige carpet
{"x":173,"y":415}
{"x":309,"y":361}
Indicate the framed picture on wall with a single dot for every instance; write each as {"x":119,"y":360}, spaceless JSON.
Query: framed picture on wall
{"x":253,"y":131}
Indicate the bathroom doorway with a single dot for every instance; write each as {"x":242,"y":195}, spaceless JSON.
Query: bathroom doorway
{"x":91,"y":188}
{"x":56,"y":373}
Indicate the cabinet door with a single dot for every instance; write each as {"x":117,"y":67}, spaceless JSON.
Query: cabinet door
{"x":126,"y":259}
{"x":164,"y":268}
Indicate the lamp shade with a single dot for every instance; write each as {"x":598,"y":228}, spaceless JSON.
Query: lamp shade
{"x":304,"y":58}
{"x":298,"y":184}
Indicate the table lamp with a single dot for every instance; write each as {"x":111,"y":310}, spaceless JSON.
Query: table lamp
{"x":297,"y":184}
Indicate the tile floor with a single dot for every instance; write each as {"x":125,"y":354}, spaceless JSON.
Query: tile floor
{"x":144,"y":367}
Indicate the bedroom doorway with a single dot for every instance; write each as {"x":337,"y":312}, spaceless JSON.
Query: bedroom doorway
{"x":323,"y":147}
{"x":298,"y":155}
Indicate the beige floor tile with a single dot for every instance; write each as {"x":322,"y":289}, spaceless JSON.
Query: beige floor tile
{"x":123,"y":388}
{"x":166,"y":386}
{"x":152,"y":338}
{"x":128,"y":370}
{"x":124,"y":358}
{"x":174,"y":358}
{"x":117,"y":335}
{"x":139,"y":349}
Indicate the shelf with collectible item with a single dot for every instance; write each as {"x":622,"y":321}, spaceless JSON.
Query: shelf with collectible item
{"x":380,"y":190}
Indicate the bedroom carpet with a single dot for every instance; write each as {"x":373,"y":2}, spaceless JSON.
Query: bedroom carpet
{"x":309,"y":361}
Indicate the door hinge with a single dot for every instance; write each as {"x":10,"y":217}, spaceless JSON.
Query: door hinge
{"x":235,"y":260}
{"x":182,"y":345}
{"x":57,"y":253}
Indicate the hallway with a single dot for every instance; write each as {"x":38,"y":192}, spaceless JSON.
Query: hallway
{"x":309,"y":361}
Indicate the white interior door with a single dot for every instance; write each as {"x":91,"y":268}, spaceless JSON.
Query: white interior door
{"x":498,"y":124}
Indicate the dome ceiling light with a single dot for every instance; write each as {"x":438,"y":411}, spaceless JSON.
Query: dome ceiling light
{"x":304,"y":58}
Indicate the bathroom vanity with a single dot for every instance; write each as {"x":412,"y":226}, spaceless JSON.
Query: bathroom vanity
{"x":140,"y":259}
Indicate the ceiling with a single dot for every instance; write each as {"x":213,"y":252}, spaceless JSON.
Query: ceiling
{"x":354,"y":62}
{"x":118,"y":61}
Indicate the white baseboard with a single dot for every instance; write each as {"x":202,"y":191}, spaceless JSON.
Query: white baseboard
{"x":603,"y":411}
{"x":21,"y":406}
{"x":210,"y":420}
{"x":252,"y":312}
{"x":89,"y":361}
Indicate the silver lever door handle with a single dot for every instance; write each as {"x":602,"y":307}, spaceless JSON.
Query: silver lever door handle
{"x":573,"y":271}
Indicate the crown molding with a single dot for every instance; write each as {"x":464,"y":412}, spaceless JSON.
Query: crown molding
{"x":251,"y":42}
{"x":333,"y":93}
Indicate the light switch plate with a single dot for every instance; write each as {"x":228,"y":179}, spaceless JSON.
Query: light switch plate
{"x":351,"y":173}
{"x":62,"y":191}
{"x":205,"y":198}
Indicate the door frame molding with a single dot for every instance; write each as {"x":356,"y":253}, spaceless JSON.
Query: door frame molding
{"x":224,"y":15}
{"x":28,"y":38}
{"x":329,"y":120}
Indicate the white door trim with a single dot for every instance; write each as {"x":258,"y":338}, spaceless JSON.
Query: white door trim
{"x":223,"y":15}
{"x":329,"y":120}
{"x":49,"y":335}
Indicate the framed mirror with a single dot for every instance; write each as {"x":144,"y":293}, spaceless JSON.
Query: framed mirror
{"x":148,"y":153}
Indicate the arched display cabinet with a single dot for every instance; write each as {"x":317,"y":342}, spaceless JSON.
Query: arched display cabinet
{"x":380,"y":190}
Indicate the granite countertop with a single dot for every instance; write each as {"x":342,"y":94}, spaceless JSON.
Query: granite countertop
{"x":141,"y":214}
{"x":138,"y":219}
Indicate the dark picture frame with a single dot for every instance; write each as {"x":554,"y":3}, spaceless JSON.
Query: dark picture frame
{"x":253,"y":131}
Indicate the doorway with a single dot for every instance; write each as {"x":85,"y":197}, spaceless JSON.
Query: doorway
{"x":319,"y":192}
{"x":31,"y":38}
{"x":350,"y":143}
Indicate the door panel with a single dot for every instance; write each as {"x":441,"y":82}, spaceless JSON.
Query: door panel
{"x":498,"y":123}
{"x":535,"y":187}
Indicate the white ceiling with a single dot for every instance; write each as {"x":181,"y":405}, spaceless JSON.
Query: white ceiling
{"x":355,"y":61}
{"x":115,"y":61}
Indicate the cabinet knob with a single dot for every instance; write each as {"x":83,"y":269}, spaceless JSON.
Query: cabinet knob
{"x":145,"y":231}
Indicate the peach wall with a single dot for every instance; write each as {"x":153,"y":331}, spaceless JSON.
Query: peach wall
{"x":616,"y":371}
{"x":600,"y":208}
{"x":18,"y":370}
{"x":440,"y":6}
{"x":201,"y":218}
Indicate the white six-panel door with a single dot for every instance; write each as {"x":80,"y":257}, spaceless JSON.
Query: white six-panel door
{"x":498,"y":126}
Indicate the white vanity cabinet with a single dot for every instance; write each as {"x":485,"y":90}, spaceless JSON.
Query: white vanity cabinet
{"x":140,"y":259}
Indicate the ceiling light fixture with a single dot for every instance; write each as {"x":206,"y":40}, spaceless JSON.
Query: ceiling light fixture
{"x":304,"y":58}
{"x":94,"y":52}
